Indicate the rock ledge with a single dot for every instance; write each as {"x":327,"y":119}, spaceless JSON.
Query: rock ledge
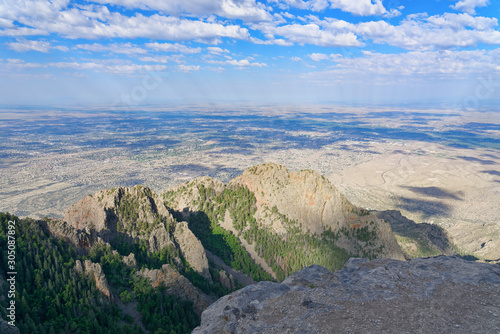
{"x":425,"y":295}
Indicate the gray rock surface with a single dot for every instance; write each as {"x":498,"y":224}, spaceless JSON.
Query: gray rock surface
{"x":177,"y":285}
{"x":5,"y":328}
{"x":94,"y":269}
{"x":130,"y":260}
{"x":192,"y":249}
{"x":317,"y":205}
{"x":424,"y":295}
{"x":159,"y":239}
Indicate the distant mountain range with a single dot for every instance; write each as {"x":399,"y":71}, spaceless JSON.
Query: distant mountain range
{"x":130,"y":260}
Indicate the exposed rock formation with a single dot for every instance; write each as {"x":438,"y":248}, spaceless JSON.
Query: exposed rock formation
{"x":94,"y":269}
{"x":310,"y":199}
{"x":5,"y":328}
{"x":424,"y":295}
{"x":130,"y":260}
{"x":226,"y":280}
{"x":176,"y":284}
{"x":130,"y":214}
{"x":159,"y":239}
{"x":104,"y":211}
{"x":192,"y":249}
{"x":82,"y":239}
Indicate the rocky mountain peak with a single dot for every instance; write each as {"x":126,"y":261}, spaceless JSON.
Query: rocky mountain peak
{"x":304,"y":196}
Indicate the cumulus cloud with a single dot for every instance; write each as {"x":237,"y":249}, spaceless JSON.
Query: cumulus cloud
{"x":415,"y":64}
{"x":360,"y":7}
{"x":95,"y":21}
{"x":30,"y":45}
{"x":123,"y":48}
{"x":355,"y":7}
{"x":244,"y":63}
{"x":420,"y":32}
{"x":98,"y":66}
{"x":318,"y":56}
{"x":333,"y":33}
{"x":216,"y":50}
{"x":168,"y":47}
{"x":469,"y":6}
{"x":314,"y":5}
{"x":246,"y":10}
{"x":188,"y":68}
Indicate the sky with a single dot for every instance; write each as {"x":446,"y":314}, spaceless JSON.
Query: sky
{"x":141,"y":52}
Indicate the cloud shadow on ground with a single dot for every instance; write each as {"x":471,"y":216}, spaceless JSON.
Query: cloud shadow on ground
{"x":426,"y":208}
{"x":435,"y":192}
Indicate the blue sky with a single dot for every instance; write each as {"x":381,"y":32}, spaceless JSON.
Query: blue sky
{"x":138,"y":52}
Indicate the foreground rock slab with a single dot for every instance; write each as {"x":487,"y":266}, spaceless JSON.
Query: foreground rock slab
{"x":424,"y":295}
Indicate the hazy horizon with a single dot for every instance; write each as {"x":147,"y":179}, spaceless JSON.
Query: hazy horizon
{"x":281,"y":51}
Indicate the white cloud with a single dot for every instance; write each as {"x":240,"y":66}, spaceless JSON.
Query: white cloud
{"x":4,"y":23}
{"x":244,"y":63}
{"x":318,"y":56}
{"x":360,"y":7}
{"x":419,"y":32}
{"x":314,"y":5}
{"x":168,"y":47}
{"x":188,"y":68}
{"x":119,"y":67}
{"x":123,"y":48}
{"x":216,"y":50}
{"x":469,"y":6}
{"x":29,"y":45}
{"x":272,"y":41}
{"x":355,"y":7}
{"x":295,"y":58}
{"x":415,"y":64}
{"x":335,"y":33}
{"x":246,"y":10}
{"x":95,"y":21}
{"x":176,"y":58}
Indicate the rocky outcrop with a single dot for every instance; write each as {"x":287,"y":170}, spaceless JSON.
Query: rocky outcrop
{"x":311,"y":200}
{"x":317,"y":204}
{"x":226,"y":280}
{"x":186,"y":195}
{"x":130,"y":260}
{"x":6,"y":328}
{"x":425,"y":295}
{"x":159,"y":239}
{"x":177,"y":285}
{"x":94,"y":270}
{"x":81,"y":239}
{"x":109,"y":211}
{"x":192,"y":249}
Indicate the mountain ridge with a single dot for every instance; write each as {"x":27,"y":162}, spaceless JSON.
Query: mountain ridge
{"x":262,"y":225}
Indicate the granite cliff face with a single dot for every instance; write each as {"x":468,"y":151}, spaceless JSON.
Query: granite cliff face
{"x":310,"y":199}
{"x":129,"y":214}
{"x":269,"y":209}
{"x":424,"y":295}
{"x":95,"y":270}
{"x":177,"y":285}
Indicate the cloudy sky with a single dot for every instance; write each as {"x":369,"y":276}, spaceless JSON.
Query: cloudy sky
{"x":265,"y":51}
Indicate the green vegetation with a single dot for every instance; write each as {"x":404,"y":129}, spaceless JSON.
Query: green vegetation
{"x":285,"y":253}
{"x":131,"y":213}
{"x":53,"y":298}
{"x":295,"y":249}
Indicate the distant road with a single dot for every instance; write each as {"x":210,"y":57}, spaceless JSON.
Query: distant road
{"x":390,"y":170}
